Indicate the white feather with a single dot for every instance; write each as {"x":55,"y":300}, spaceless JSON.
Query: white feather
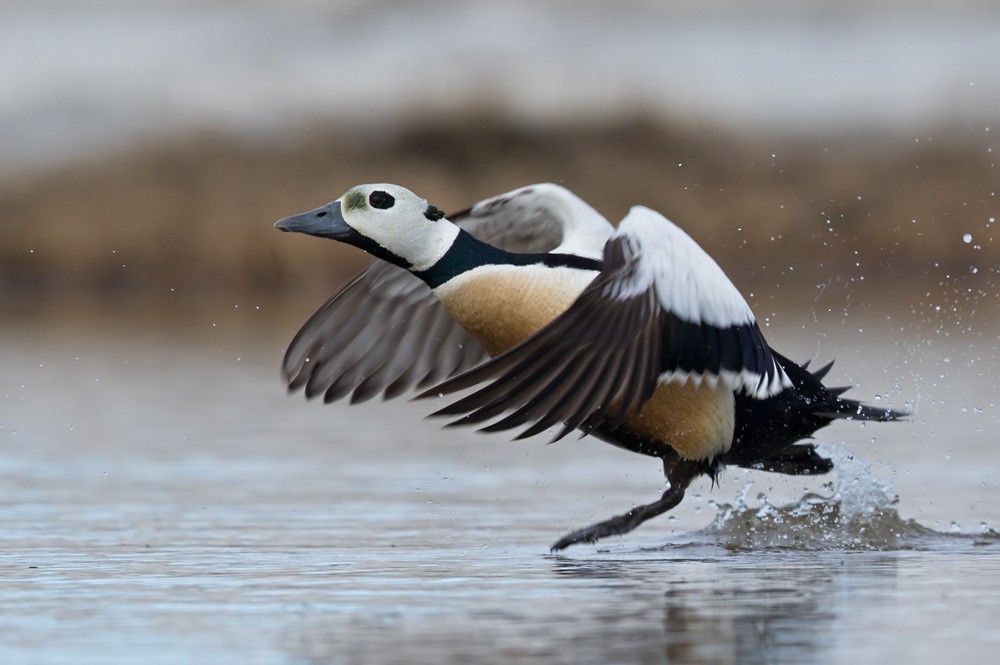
{"x":584,"y":229}
{"x":687,"y":281}
{"x":752,"y":382}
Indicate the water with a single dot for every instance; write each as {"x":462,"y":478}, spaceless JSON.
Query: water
{"x":164,"y":501}
{"x":94,"y":75}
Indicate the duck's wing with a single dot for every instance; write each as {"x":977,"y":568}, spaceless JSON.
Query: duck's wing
{"x":544,"y":217}
{"x":661,"y":310}
{"x":385,"y":331}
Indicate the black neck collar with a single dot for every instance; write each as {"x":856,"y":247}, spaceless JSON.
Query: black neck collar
{"x":467,"y":253}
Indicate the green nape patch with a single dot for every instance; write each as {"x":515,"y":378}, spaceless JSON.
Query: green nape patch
{"x":354,"y":200}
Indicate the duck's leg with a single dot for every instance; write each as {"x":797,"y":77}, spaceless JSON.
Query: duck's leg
{"x":679,"y":473}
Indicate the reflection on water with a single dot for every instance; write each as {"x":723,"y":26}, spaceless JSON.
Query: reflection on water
{"x":698,"y":607}
{"x":750,"y":610}
{"x":164,"y":501}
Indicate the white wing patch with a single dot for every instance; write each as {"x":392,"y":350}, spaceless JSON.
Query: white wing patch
{"x":758,"y":386}
{"x":689,"y":284}
{"x":686,"y":279}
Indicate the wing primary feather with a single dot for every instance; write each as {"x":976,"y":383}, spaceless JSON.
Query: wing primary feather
{"x":584,"y":399}
{"x":370,"y":386}
{"x":364,"y":375}
{"x":298,"y":350}
{"x":540,"y":394}
{"x":383,"y":332}
{"x":487,"y":403}
{"x":508,"y":422}
{"x":537,"y":401}
{"x":436,"y":335}
{"x":502,"y":370}
{"x":453,"y":347}
{"x":470,"y":378}
{"x":543,"y":407}
{"x":655,"y":347}
{"x":324,"y":374}
{"x":524,"y":370}
{"x":634,"y":316}
{"x":399,"y":353}
{"x":333,"y":357}
{"x":592,"y":397}
{"x":420,"y":368}
{"x":419,"y":364}
{"x":594,"y":401}
{"x":630,"y":386}
{"x":626,"y":391}
{"x":337,"y":390}
{"x":523,"y":381}
{"x":317,"y":348}
{"x":498,"y":389}
{"x":606,"y":393}
{"x":332,"y":375}
{"x":821,"y":373}
{"x":398,"y":372}
{"x":325,"y":329}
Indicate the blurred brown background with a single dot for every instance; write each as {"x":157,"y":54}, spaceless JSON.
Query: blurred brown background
{"x":190,"y":220}
{"x":804,"y":147}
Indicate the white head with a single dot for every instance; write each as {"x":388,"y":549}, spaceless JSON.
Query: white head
{"x":386,"y":220}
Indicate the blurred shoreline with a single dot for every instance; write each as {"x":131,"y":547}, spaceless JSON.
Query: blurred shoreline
{"x":82,"y":76}
{"x":174,"y":223}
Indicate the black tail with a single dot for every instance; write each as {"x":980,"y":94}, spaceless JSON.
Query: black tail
{"x":828,"y":401}
{"x":766,"y":428}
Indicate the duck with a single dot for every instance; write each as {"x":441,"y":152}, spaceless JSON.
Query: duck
{"x":547,"y":318}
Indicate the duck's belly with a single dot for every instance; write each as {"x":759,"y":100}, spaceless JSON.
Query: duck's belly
{"x":697,"y":422}
{"x":504,"y":305}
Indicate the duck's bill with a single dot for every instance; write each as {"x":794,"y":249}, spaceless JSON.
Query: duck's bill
{"x":325,"y":222}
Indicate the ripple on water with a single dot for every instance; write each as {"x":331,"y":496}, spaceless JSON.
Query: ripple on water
{"x":858,"y":514}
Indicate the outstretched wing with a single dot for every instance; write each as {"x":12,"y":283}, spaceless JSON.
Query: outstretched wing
{"x":660,"y":311}
{"x":537,"y":218}
{"x":385,"y":331}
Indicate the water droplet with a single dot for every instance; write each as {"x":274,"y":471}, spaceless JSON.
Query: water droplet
{"x":967,"y":238}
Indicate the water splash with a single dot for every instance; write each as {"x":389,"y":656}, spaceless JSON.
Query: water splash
{"x":859,"y":514}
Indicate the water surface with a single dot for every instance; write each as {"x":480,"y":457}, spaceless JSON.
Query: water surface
{"x":164,"y":501}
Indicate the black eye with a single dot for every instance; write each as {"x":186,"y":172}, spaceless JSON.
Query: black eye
{"x":433,"y":213}
{"x":380,"y":199}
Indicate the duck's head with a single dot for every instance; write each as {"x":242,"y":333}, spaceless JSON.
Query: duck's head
{"x":388,"y":221}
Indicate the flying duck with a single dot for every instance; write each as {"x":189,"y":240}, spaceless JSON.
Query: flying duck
{"x":557,"y":319}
